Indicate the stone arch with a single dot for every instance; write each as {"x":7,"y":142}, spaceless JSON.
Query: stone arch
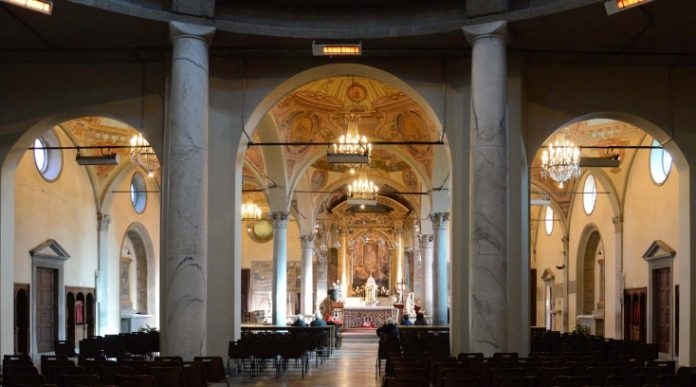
{"x":290,"y":84}
{"x":147,"y":271}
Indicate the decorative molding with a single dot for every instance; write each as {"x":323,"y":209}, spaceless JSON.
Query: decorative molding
{"x":659,"y":250}
{"x":49,"y":249}
{"x":439,"y":219}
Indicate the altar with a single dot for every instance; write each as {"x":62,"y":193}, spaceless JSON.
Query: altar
{"x":355,"y":316}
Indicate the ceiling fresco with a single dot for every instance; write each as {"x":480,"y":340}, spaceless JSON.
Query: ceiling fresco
{"x":595,"y":137}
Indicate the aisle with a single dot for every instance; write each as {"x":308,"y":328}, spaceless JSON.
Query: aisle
{"x":352,"y":365}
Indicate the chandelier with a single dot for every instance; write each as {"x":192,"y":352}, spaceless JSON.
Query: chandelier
{"x":250,"y":211}
{"x":561,"y":161}
{"x":142,"y":154}
{"x":362,"y":191}
{"x":352,"y":148}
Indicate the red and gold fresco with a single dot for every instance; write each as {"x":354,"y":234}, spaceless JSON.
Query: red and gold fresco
{"x":316,"y":112}
{"x":101,"y":132}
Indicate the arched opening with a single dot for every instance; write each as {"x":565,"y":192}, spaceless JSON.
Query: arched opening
{"x":318,"y":106}
{"x":21,"y":319}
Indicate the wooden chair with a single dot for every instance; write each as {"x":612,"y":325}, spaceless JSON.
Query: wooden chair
{"x":213,"y":369}
{"x":109,"y":374}
{"x":22,"y":379}
{"x":48,"y":360}
{"x":193,"y":374}
{"x":546,"y":374}
{"x":168,"y":376}
{"x":237,"y":351}
{"x":571,"y":380}
{"x":388,"y":344}
{"x":75,"y":380}
{"x":64,"y":348}
{"x":56,"y":372}
{"x":516,"y":381}
{"x":136,"y":381}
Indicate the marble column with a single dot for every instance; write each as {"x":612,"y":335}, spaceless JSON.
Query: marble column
{"x":488,"y":181}
{"x":440,"y":274}
{"x":108,"y":318}
{"x":184,"y":194}
{"x":307,"y":244}
{"x":280,"y":268}
{"x":426,"y":249}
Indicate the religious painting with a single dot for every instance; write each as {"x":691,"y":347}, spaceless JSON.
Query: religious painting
{"x":370,"y":258}
{"x":262,"y":282}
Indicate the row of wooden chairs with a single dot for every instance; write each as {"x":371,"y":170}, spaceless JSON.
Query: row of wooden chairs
{"x":63,"y":372}
{"x":260,"y":351}
{"x":504,"y":369}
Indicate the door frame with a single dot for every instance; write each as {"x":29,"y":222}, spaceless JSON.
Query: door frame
{"x":659,"y":256}
{"x":49,"y":255}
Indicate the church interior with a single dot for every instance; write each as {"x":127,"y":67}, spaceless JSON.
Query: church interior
{"x":186,"y":166}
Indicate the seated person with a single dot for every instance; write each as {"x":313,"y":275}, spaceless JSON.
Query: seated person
{"x":299,"y":321}
{"x":318,"y":321}
{"x":405,"y":320}
{"x":389,"y":327}
{"x":420,"y":319}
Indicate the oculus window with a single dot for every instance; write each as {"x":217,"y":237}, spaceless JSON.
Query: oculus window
{"x":660,"y":163}
{"x":138,"y":193}
{"x":48,"y":161}
{"x":589,"y":194}
{"x":548,"y":220}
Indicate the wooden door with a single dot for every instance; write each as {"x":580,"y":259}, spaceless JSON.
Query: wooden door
{"x":662,"y":309}
{"x":46,"y":308}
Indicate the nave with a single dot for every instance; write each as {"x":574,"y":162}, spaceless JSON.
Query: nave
{"x":351,"y":365}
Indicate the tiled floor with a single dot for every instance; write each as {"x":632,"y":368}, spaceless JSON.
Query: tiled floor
{"x":353,"y":365}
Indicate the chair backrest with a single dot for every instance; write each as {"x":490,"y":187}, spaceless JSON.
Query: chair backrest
{"x":136,"y":381}
{"x":17,"y":379}
{"x":108,"y":373}
{"x":571,"y":380}
{"x":56,"y":372}
{"x":75,"y":380}
{"x":193,"y":374}
{"x":91,"y":347}
{"x":168,"y":376}
{"x":64,"y":348}
{"x":388,"y":344}
{"x":213,"y":368}
{"x":113,"y":346}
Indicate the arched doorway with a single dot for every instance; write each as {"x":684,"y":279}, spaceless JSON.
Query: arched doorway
{"x":21,"y":318}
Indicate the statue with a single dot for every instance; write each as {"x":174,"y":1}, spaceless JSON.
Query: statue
{"x":370,"y":291}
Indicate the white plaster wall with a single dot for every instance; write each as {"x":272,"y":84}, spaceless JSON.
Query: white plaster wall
{"x":601,"y":220}
{"x":548,"y":254}
{"x":124,"y":216}
{"x":651,"y":213}
{"x":63,"y":210}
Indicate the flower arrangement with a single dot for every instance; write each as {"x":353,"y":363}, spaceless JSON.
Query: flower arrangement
{"x":382,"y":292}
{"x":357,"y":291}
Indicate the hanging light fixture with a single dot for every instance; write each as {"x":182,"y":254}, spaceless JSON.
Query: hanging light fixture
{"x":250,"y":211}
{"x":561,"y":161}
{"x":351,"y":148}
{"x":143,"y":154}
{"x":362,"y":192}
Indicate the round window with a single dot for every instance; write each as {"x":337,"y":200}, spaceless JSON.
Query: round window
{"x":589,"y":194}
{"x":138,"y":192}
{"x":548,"y":220}
{"x":660,"y":163}
{"x":48,"y":161}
